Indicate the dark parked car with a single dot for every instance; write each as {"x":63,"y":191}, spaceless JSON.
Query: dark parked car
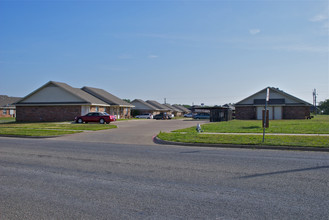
{"x":161,"y":116}
{"x":202,"y":116}
{"x":188,"y":115}
{"x":101,"y":117}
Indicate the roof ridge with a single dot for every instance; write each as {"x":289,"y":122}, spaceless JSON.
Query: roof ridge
{"x":146,"y":104}
{"x":277,"y":90}
{"x":157,"y":104}
{"x":73,"y":91}
{"x":105,"y":96}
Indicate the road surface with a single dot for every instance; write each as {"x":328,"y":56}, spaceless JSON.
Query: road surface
{"x":59,"y":178}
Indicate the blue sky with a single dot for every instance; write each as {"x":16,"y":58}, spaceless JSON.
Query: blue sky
{"x":211,"y":52}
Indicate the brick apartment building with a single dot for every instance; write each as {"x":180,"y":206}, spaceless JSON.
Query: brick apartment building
{"x":281,"y":105}
{"x":56,"y":101}
{"x":7,"y":109}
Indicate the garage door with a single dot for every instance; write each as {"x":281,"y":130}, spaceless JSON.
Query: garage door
{"x":278,"y":113}
{"x":260,"y":112}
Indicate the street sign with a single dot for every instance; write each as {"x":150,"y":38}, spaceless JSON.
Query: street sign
{"x":265,"y":115}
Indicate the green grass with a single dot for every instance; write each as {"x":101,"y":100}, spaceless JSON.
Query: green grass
{"x":7,"y":120}
{"x":34,"y":132}
{"x":271,"y":140}
{"x":318,"y":125}
{"x":48,"y":129}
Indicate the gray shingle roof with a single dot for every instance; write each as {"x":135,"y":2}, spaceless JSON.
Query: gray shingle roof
{"x":158,"y":105}
{"x":301,"y":102}
{"x":7,"y":101}
{"x":182,"y":108}
{"x":142,"y":105}
{"x":106,"y":96}
{"x":172,"y":108}
{"x":80,"y":93}
{"x":86,"y":97}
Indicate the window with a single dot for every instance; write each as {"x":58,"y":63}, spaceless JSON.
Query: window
{"x":4,"y":111}
{"x":97,"y":108}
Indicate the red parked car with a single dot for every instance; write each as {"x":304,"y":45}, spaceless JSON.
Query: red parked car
{"x":101,"y":117}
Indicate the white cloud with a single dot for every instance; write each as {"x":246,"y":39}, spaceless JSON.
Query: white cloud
{"x":319,"y":18}
{"x":152,"y":56}
{"x":323,"y":20}
{"x":254,"y":31}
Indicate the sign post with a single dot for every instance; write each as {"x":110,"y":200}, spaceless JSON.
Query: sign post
{"x":265,"y":113}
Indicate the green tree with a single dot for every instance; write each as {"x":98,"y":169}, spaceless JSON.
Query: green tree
{"x":324,"y":107}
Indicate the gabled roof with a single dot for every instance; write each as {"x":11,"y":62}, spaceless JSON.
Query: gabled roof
{"x":7,"y":101}
{"x":141,"y":105}
{"x":172,"y":108}
{"x":106,"y":97}
{"x":158,"y":105}
{"x":182,"y":108}
{"x":229,"y":106}
{"x":272,"y":89}
{"x":82,"y":96}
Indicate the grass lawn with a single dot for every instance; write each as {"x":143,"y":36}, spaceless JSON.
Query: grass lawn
{"x":271,"y":140}
{"x":48,"y":129}
{"x":318,"y":125}
{"x":7,"y":120}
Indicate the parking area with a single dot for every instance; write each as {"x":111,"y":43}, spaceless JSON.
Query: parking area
{"x":138,"y":132}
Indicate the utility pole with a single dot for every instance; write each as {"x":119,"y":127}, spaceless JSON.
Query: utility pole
{"x":314,"y":101}
{"x":165,"y":100}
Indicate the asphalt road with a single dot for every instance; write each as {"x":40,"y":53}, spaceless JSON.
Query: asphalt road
{"x":59,"y":178}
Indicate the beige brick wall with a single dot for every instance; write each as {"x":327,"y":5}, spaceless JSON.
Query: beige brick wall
{"x":94,"y":109}
{"x":5,"y":113}
{"x":122,"y":112}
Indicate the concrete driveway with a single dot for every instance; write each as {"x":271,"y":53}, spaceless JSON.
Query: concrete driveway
{"x":138,"y":132}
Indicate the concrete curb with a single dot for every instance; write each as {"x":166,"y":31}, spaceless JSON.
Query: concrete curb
{"x":38,"y":137}
{"x":265,"y":147}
